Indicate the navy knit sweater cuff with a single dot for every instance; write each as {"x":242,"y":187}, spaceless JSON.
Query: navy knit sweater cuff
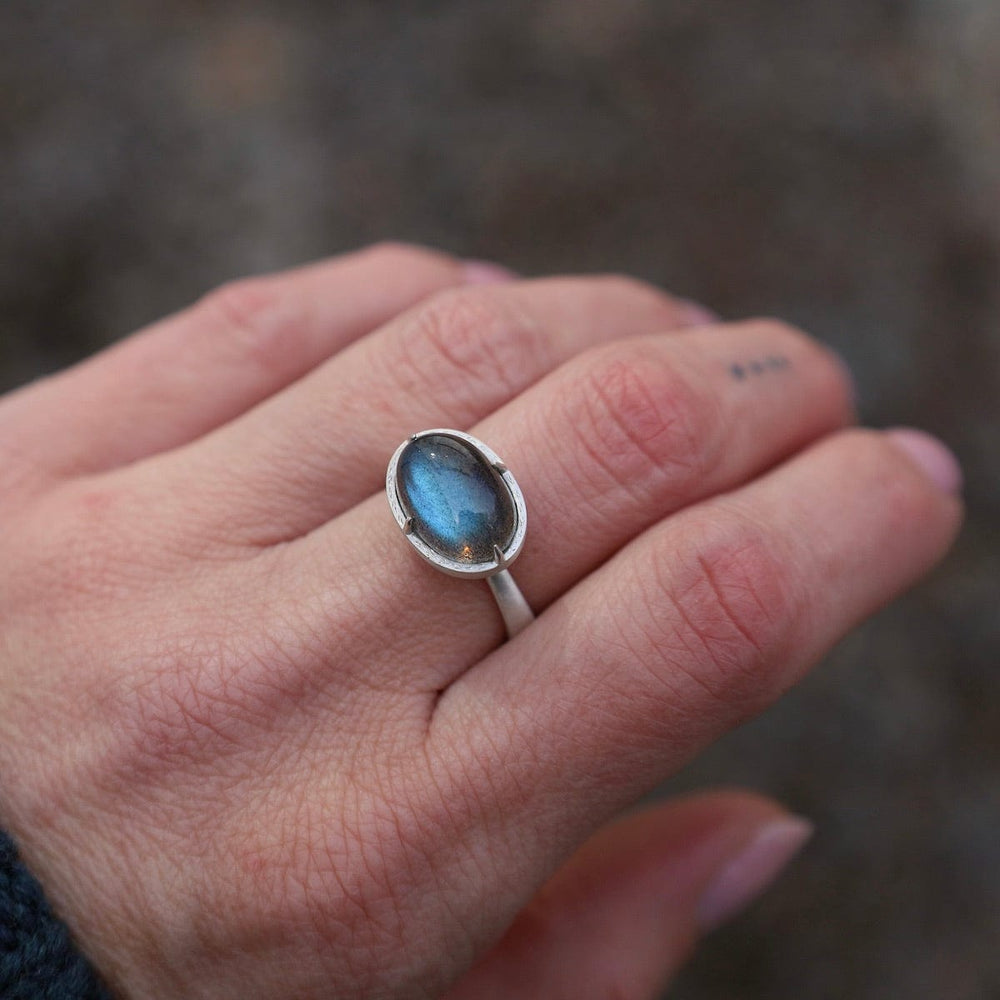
{"x":38,"y":960}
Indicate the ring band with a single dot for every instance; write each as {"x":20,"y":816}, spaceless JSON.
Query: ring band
{"x":462,"y":510}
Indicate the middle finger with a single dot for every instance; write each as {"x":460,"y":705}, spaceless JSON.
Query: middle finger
{"x":315,"y":450}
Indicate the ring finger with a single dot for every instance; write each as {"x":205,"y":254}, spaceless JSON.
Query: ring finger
{"x":604,"y":447}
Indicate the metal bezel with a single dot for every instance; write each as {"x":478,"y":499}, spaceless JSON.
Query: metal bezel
{"x":470,"y":571}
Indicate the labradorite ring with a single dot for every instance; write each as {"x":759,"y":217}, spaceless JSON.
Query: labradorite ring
{"x":463,"y":511}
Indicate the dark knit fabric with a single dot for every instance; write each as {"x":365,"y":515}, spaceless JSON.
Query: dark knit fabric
{"x":37,"y":958}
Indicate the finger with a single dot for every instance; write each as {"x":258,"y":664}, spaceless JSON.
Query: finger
{"x":605,"y":447}
{"x":320,"y":448}
{"x":695,"y":626}
{"x":625,"y":912}
{"x":191,"y":372}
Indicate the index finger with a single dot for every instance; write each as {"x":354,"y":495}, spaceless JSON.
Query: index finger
{"x":191,"y":372}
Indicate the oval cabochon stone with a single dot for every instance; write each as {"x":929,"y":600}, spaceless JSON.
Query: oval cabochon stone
{"x":460,"y":505}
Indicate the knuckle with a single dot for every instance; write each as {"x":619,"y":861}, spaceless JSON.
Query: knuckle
{"x":241,"y":304}
{"x":73,"y":545}
{"x":731,"y":608}
{"x":257,"y":318}
{"x":88,"y":543}
{"x":644,"y":419}
{"x":477,"y":337}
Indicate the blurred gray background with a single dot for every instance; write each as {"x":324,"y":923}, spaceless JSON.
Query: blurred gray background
{"x":836,"y":162}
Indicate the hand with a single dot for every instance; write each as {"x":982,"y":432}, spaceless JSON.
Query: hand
{"x":254,"y":747}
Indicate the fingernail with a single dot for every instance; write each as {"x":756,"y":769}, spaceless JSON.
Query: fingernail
{"x":485,"y":272}
{"x":932,"y":457}
{"x":744,"y":877}
{"x":698,"y":315}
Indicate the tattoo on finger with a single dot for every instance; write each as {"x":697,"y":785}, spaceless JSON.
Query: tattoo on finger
{"x":743,"y":370}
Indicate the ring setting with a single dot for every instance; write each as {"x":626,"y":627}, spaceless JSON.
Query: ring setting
{"x":462,"y":510}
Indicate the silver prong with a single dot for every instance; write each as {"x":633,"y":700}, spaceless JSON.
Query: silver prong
{"x":408,"y":526}
{"x":413,"y":437}
{"x":500,"y":467}
{"x":500,"y":557}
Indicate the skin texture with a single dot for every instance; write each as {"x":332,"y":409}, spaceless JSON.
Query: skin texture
{"x":253,"y":746}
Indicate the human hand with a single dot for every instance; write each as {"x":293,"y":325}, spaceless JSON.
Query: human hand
{"x":254,"y":747}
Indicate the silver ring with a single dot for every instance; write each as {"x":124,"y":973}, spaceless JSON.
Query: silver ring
{"x":462,"y":510}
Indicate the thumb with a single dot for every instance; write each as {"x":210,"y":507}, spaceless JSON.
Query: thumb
{"x":622,"y":915}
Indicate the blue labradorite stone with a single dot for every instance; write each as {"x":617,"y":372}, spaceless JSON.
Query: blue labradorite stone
{"x":460,"y":506}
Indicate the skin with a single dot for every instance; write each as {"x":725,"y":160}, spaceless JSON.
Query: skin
{"x":254,"y":747}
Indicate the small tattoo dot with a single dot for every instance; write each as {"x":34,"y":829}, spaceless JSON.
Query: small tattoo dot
{"x":738,"y":372}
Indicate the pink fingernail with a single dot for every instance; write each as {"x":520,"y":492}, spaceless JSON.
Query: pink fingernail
{"x":697,"y":314}
{"x":932,"y":457}
{"x":744,"y":877}
{"x":485,"y":272}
